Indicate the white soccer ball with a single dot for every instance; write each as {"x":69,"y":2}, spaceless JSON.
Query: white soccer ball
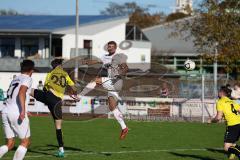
{"x":189,"y":65}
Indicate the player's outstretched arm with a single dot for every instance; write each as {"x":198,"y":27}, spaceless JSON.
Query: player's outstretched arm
{"x":91,"y":62}
{"x":22,"y":99}
{"x":123,"y":68}
{"x":73,"y":93}
{"x":73,"y":87}
{"x":217,"y":118}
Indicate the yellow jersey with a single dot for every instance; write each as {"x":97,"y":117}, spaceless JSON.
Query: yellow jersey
{"x":57,"y":80}
{"x":230,"y":110}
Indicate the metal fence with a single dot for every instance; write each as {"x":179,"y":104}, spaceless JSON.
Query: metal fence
{"x":178,"y":85}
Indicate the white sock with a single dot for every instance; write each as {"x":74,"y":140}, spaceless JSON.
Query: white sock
{"x":119,"y":117}
{"x":20,"y":153}
{"x":90,"y":86}
{"x":61,"y":149}
{"x":3,"y":150}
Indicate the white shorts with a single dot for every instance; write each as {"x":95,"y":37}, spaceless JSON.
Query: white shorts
{"x":14,"y":128}
{"x":113,"y":86}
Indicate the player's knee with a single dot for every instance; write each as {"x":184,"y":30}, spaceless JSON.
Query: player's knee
{"x":226,"y":147}
{"x":25,"y":142}
{"x":10,"y":144}
{"x":112,"y":103}
{"x":111,"y":108}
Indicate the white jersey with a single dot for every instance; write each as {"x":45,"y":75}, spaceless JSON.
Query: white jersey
{"x":111,"y":63}
{"x":13,"y":102}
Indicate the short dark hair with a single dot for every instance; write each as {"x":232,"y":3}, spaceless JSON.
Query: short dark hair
{"x":56,"y":62}
{"x":112,"y":42}
{"x":227,"y":91}
{"x":228,"y":85}
{"x":27,"y":65}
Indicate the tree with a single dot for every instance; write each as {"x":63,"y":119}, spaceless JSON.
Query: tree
{"x":175,"y":16}
{"x":125,"y":9}
{"x":216,"y":24}
{"x":144,"y":20}
{"x":139,"y":16}
{"x":10,"y":12}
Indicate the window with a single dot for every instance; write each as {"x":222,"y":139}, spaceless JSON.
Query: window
{"x":57,"y":47}
{"x":81,"y":52}
{"x":135,"y":33}
{"x":87,"y":44}
{"x":7,"y":47}
{"x":29,"y":46}
{"x":46,"y":46}
{"x":143,"y":58}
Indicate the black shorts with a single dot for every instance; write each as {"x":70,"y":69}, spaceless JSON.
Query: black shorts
{"x":53,"y":102}
{"x":232,"y":134}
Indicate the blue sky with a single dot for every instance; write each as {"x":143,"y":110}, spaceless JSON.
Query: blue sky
{"x":86,"y":7}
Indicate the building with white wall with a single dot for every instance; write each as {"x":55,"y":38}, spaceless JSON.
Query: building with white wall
{"x":44,"y":37}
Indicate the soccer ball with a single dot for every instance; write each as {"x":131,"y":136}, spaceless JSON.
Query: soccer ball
{"x":189,"y":65}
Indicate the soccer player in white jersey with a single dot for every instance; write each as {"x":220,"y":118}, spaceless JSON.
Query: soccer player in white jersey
{"x":116,"y":67}
{"x":14,"y":113}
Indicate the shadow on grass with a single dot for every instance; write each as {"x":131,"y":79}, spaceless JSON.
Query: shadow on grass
{"x":40,"y":152}
{"x":196,"y":157}
{"x":216,"y":150}
{"x":44,"y":150}
{"x":55,"y":147}
{"x":37,"y":151}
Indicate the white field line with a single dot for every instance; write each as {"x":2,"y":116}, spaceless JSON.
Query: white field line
{"x":68,"y":153}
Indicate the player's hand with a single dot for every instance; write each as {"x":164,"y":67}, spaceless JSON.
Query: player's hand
{"x":75,"y":97}
{"x":121,"y":66}
{"x":209,"y":120}
{"x":98,"y":80}
{"x":123,"y":69}
{"x":22,"y":116}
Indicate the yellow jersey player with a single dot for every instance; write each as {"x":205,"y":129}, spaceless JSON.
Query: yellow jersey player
{"x":54,"y":87}
{"x":229,"y":109}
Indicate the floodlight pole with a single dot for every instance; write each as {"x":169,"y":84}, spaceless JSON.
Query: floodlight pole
{"x":215,"y":71}
{"x":203,"y":96}
{"x":76,"y":43}
{"x":203,"y":89}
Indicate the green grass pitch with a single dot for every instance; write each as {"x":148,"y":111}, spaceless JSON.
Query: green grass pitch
{"x":98,"y":139}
